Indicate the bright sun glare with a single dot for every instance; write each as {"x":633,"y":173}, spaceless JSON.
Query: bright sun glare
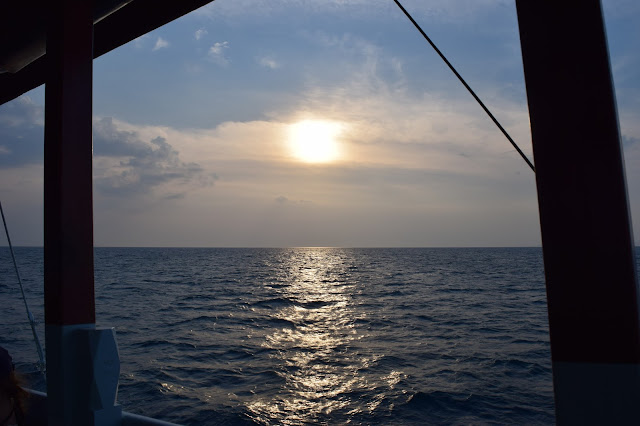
{"x":314,"y":141}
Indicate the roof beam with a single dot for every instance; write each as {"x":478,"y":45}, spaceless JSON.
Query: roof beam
{"x":127,"y":23}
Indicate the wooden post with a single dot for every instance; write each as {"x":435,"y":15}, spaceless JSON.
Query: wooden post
{"x":589,"y":260}
{"x":68,"y":210}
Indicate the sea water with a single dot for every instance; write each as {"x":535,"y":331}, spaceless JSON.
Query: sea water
{"x":313,"y":335}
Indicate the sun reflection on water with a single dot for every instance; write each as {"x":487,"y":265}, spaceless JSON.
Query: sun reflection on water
{"x":315,"y":355}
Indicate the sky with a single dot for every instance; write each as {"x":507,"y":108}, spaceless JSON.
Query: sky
{"x":203,"y":127}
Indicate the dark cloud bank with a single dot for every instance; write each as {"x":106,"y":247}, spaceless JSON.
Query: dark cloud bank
{"x":143,"y":165}
{"x":147,"y":165}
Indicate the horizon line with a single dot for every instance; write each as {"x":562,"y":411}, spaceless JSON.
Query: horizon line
{"x":290,"y":247}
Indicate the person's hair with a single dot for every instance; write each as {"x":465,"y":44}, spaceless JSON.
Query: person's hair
{"x":13,"y":387}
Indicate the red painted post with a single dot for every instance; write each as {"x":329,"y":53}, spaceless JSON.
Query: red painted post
{"x":69,"y":295}
{"x":589,"y":259}
{"x":68,"y":207}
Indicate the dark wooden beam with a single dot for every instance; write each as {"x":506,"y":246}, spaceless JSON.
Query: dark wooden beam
{"x":68,"y":156}
{"x":131,"y":21}
{"x":138,"y":18}
{"x":68,"y":209}
{"x":589,"y":258}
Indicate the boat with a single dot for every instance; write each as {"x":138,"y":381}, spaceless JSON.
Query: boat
{"x":589,"y":259}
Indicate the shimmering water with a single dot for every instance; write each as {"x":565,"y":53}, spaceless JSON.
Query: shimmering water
{"x":315,"y":335}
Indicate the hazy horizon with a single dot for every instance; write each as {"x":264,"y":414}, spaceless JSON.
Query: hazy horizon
{"x":290,"y":247}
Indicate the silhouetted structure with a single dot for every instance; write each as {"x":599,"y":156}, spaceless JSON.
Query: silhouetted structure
{"x":586,"y":230}
{"x":587,"y":241}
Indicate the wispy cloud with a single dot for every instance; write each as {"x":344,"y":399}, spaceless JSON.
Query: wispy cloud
{"x":441,"y":9}
{"x":216,"y":53}
{"x":282,"y":200}
{"x":361,"y":61}
{"x":200,"y":33}
{"x":193,"y":69}
{"x":139,"y":42}
{"x":268,"y":62}
{"x":160,"y":44}
{"x":392,"y":124}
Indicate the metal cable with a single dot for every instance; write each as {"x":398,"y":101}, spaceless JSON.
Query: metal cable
{"x":32,"y":322}
{"x":504,"y":132}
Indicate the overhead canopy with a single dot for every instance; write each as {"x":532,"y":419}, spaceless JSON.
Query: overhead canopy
{"x":23,"y":34}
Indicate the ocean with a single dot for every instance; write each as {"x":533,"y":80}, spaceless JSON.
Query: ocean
{"x":299,"y":336}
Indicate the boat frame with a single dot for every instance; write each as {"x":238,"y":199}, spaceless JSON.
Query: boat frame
{"x":587,"y":238}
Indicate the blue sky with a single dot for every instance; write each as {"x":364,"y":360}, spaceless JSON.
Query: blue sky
{"x":193,"y":124}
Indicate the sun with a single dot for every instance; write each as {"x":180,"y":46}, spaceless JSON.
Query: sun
{"x":315,"y":141}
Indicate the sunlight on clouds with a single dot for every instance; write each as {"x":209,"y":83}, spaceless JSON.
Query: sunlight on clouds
{"x":397,"y":129}
{"x":328,"y":123}
{"x":315,"y":141}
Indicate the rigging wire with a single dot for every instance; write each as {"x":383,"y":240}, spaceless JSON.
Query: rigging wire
{"x":32,"y":321}
{"x":451,"y":67}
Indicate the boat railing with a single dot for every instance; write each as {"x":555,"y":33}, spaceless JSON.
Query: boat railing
{"x":37,"y":413}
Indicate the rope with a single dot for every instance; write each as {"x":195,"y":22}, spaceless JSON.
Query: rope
{"x":504,"y":132}
{"x":32,"y":322}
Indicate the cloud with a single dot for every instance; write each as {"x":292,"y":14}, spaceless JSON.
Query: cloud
{"x":109,"y":141}
{"x":175,"y":197}
{"x":216,"y":53}
{"x":443,"y":10}
{"x":629,"y":140}
{"x":139,"y":42}
{"x":125,"y":164}
{"x":200,"y":33}
{"x":193,"y":69}
{"x":160,"y":44}
{"x":391,"y":121}
{"x":259,"y":199}
{"x":21,"y":132}
{"x":284,"y":200}
{"x":358,"y":60}
{"x":21,"y":111}
{"x":268,"y":62}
